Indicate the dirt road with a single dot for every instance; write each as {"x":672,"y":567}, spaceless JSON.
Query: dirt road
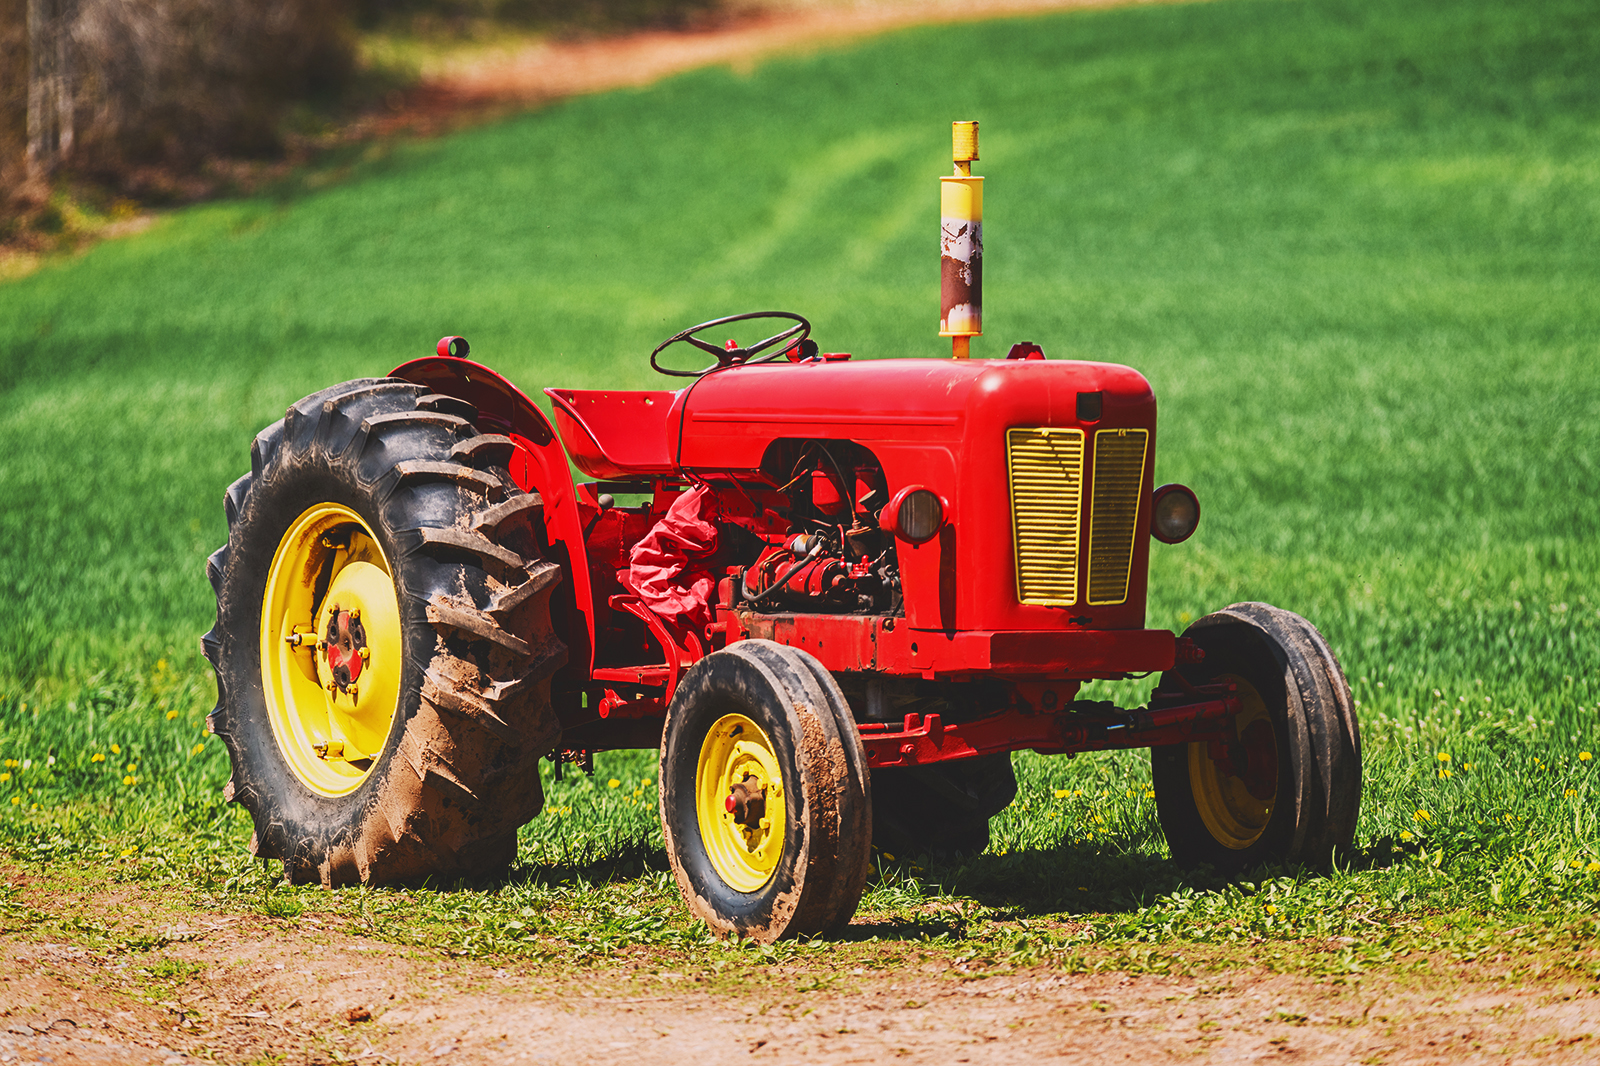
{"x":525,"y":75}
{"x":245,"y":988}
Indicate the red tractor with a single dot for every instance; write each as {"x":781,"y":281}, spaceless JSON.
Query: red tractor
{"x":835,"y":595}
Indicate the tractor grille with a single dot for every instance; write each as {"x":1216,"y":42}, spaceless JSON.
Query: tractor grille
{"x":1046,"y":471}
{"x":1113,"y":523}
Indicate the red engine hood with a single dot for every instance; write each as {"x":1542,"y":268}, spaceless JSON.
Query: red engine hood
{"x":733,"y":416}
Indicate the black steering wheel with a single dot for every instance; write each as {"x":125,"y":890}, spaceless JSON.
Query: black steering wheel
{"x":798,"y":334}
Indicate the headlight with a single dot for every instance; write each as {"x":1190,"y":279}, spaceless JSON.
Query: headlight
{"x":1175,"y":514}
{"x":914,"y":514}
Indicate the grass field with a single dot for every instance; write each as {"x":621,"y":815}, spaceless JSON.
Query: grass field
{"x":1351,"y":243}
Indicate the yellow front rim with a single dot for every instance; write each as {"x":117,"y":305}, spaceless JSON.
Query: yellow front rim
{"x":734,"y":751}
{"x":1235,"y":817}
{"x":330,"y":725}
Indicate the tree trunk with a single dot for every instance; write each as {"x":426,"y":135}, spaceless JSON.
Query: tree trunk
{"x":50,"y":85}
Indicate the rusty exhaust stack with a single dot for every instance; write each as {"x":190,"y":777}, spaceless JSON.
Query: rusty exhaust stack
{"x":961,"y":244}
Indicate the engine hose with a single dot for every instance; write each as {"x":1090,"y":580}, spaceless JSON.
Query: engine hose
{"x":744,"y":578}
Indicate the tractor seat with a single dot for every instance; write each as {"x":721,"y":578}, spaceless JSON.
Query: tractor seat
{"x":612,"y":434}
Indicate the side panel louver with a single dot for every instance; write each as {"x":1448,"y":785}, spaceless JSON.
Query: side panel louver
{"x":1046,"y":472}
{"x":1113,"y":523}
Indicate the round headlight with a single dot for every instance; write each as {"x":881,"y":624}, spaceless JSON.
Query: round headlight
{"x":1175,"y":515}
{"x":914,"y":514}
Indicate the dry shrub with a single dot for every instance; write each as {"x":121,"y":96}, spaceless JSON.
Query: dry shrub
{"x":172,"y":82}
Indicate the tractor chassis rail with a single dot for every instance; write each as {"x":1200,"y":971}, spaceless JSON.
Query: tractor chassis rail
{"x":1205,"y":715}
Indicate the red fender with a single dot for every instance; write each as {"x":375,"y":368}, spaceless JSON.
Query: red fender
{"x":538,"y":465}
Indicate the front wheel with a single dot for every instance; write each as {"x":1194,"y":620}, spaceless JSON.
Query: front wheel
{"x":765,"y":797}
{"x":1286,"y":786}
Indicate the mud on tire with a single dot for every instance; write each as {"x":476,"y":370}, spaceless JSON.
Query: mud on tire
{"x":791,"y":710}
{"x":457,"y":773}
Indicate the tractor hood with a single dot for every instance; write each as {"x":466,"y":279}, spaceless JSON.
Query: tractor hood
{"x":729,"y":419}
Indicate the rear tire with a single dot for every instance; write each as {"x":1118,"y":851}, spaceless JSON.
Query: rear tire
{"x":1289,"y":788}
{"x":797,"y":865}
{"x":425,"y":762}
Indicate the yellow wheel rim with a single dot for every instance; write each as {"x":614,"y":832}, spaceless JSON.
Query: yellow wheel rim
{"x":735,"y":751}
{"x":330,"y":727}
{"x":1235,"y":817}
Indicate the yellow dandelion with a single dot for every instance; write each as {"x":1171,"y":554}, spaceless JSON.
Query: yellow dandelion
{"x":1584,"y":756}
{"x":1272,"y":909}
{"x":132,"y":767}
{"x":97,"y":757}
{"x":1466,"y":766}
{"x":11,"y":764}
{"x":613,"y":783}
{"x":127,"y":780}
{"x":646,"y":781}
{"x":116,"y":749}
{"x":16,"y":801}
{"x":1577,"y":864}
{"x":1405,"y":834}
{"x":198,"y":748}
{"x":4,"y":778}
{"x":128,"y":851}
{"x":1445,"y":775}
{"x":172,"y":716}
{"x":1150,"y":794}
{"x":1569,"y":793}
{"x":1063,"y":793}
{"x":1593,"y":868}
{"x":1423,"y":816}
{"x":1444,"y":756}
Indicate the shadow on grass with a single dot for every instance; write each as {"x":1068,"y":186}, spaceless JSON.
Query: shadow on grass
{"x":919,"y":899}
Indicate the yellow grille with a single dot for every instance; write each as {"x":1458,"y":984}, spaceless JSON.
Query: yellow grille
{"x":1118,"y":476}
{"x":1046,"y":470}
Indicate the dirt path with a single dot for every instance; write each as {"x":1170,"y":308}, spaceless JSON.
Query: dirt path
{"x":549,"y":70}
{"x":245,"y":988}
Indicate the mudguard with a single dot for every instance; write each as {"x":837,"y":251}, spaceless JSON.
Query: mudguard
{"x":538,"y":465}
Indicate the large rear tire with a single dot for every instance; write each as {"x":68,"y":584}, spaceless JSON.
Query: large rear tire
{"x":765,"y":795}
{"x":383,"y":644}
{"x":1287,"y":787}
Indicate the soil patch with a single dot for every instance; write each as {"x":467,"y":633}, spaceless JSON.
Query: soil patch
{"x":195,"y":985}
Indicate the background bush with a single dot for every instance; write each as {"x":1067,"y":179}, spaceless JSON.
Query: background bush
{"x":173,"y":83}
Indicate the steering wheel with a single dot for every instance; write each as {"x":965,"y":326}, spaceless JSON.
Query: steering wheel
{"x":797,"y":333}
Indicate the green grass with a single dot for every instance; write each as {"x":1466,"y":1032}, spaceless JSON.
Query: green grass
{"x":1352,"y":244}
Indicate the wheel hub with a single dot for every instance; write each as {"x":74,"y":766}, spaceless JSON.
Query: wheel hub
{"x":345,"y":647}
{"x":1235,"y":784}
{"x":747,"y":802}
{"x":739,"y":802}
{"x":330,"y":649}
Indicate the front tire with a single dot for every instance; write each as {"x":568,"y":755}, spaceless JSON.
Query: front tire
{"x":383,"y":643}
{"x":765,"y":795}
{"x":1287,"y":787}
